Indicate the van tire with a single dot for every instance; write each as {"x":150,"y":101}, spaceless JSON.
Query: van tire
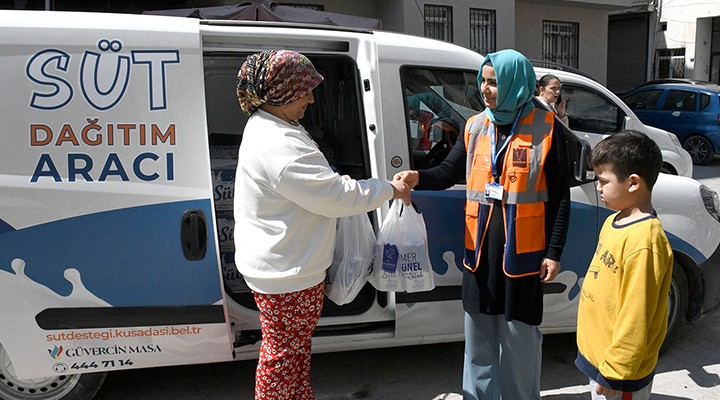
{"x":700,"y":149}
{"x":677,"y":306}
{"x":60,"y":387}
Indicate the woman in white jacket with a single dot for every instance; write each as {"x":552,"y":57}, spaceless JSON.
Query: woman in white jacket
{"x":287,"y":199}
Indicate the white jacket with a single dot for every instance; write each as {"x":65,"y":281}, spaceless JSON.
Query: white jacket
{"x":287,"y":199}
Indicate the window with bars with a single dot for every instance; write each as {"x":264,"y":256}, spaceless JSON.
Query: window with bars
{"x":561,"y":42}
{"x":482,"y":30}
{"x":316,"y":7}
{"x":438,"y":22}
{"x":670,"y":63}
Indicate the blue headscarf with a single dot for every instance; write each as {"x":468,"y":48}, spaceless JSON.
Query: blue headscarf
{"x":515,"y":85}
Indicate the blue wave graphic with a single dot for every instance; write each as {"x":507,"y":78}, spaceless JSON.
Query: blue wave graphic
{"x":128,"y":257}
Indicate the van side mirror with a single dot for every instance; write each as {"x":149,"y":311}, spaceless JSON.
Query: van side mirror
{"x":581,"y":169}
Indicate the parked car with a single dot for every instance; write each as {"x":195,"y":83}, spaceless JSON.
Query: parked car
{"x":689,"y":109}
{"x":595,"y":112}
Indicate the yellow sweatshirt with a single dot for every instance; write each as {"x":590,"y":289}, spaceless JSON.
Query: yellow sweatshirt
{"x":622,"y":316}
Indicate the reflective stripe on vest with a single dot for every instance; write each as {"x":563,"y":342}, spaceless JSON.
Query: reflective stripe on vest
{"x":524,"y":190}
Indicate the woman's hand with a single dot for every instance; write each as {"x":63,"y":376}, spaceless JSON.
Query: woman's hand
{"x":549,"y":269}
{"x":409,"y":177}
{"x":401,"y":191}
{"x":561,"y":108}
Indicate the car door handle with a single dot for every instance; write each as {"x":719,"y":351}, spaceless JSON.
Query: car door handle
{"x":193,"y":234}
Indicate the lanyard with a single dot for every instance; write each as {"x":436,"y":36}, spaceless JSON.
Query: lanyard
{"x":494,"y":153}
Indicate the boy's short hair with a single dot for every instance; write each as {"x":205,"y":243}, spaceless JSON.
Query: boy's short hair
{"x":629,"y":152}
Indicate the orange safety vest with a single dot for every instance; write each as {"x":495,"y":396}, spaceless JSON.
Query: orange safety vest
{"x":524,"y":191}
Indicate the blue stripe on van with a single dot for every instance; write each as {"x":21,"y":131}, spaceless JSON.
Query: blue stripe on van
{"x":444,"y":218}
{"x":5,"y":227}
{"x":445,"y":222}
{"x":128,"y":258}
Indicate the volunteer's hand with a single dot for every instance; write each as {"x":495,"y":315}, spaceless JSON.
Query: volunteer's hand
{"x":411,"y":178}
{"x":549,"y":269}
{"x":401,"y":191}
{"x":601,"y":390}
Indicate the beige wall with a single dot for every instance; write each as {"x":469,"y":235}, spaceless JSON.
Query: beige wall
{"x":592,"y":56}
{"x":689,"y":25}
{"x":519,"y":23}
{"x":412,"y":12}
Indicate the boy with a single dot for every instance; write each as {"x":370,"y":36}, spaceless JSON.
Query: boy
{"x":622,"y":316}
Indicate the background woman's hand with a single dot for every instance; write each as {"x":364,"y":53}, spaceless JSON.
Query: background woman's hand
{"x":561,"y":107}
{"x":409,"y":177}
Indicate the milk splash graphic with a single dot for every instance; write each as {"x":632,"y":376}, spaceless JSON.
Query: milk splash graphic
{"x":22,"y":299}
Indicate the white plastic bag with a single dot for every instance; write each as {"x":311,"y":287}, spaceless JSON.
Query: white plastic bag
{"x":402,"y":262}
{"x":354,"y":253}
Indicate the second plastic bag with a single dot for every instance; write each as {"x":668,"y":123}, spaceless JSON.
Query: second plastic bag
{"x":354,"y":253}
{"x":402,"y":261}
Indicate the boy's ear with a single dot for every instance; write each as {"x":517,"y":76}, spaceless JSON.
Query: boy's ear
{"x":635,"y":182}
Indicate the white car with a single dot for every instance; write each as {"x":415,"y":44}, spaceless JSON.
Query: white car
{"x":595,"y":112}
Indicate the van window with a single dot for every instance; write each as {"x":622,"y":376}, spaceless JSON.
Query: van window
{"x":437,"y":104}
{"x":590,"y":111}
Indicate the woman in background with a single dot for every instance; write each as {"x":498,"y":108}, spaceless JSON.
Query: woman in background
{"x":549,"y":93}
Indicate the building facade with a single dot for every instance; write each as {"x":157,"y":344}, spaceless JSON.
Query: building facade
{"x":569,"y":32}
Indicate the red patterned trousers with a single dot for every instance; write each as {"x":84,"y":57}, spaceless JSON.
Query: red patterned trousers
{"x":288,"y":321}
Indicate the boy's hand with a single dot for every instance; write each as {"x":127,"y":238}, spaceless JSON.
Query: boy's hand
{"x":602,"y":390}
{"x":549,"y":270}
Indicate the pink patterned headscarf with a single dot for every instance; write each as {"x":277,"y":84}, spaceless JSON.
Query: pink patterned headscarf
{"x":276,"y":77}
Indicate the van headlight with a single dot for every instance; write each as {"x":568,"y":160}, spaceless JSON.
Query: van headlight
{"x":712,"y":203}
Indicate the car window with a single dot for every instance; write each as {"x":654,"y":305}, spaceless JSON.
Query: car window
{"x":645,"y":100}
{"x":680,"y":100}
{"x":704,"y":101}
{"x":438,"y":102}
{"x":591,"y":111}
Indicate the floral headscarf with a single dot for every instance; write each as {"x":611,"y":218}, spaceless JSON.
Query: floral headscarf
{"x":276,"y":77}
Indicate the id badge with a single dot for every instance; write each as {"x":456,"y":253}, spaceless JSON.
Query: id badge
{"x":494,"y":191}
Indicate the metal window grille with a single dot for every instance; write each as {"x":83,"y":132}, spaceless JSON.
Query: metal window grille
{"x":670,"y":63}
{"x":561,"y":42}
{"x":482,"y":30}
{"x":316,"y":7}
{"x":438,"y":22}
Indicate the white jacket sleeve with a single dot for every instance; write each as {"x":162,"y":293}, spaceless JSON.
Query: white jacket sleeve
{"x":310,"y":182}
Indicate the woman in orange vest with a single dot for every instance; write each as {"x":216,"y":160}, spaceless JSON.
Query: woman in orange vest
{"x":517,"y":208}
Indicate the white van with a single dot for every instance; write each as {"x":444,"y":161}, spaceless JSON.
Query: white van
{"x":119,"y":140}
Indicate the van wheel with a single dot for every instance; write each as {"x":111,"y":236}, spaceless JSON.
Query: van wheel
{"x":700,"y":149}
{"x":677,"y":305}
{"x":61,"y":387}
